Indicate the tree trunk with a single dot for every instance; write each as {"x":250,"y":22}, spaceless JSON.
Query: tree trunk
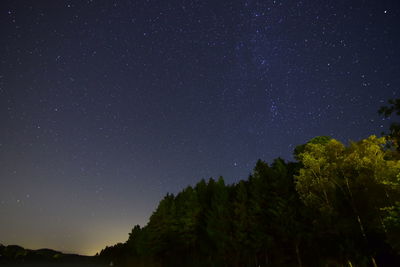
{"x":298,"y":255}
{"x":349,"y":262}
{"x":322,"y":188}
{"x":360,"y":224}
{"x":374,"y":262}
{"x":359,"y":220}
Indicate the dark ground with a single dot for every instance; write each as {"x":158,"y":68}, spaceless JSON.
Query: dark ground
{"x":52,"y":264}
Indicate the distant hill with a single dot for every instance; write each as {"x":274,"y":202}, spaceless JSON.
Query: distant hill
{"x":18,"y":254}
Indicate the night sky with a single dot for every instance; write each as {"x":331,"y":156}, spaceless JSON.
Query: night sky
{"x":105,"y":106}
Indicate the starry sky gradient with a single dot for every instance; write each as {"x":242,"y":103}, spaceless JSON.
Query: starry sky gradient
{"x":105,"y":106}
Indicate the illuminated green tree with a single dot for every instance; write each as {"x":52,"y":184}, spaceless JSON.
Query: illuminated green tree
{"x":349,"y":186}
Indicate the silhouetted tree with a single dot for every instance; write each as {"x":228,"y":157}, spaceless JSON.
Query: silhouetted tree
{"x":394,"y":130}
{"x":337,"y":205}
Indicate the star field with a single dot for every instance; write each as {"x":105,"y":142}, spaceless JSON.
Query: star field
{"x":105,"y":106}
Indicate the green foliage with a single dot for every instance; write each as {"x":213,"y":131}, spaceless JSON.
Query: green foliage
{"x":348,"y":187}
{"x":338,"y":205}
{"x":322,"y":140}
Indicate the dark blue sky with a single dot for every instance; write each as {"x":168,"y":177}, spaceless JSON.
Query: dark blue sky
{"x":105,"y":106}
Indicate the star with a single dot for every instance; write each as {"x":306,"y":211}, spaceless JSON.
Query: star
{"x":120,"y":103}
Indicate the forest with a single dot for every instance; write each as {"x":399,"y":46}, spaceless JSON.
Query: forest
{"x":335,"y":205}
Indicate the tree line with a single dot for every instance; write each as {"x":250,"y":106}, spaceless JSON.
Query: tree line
{"x":336,"y":205}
